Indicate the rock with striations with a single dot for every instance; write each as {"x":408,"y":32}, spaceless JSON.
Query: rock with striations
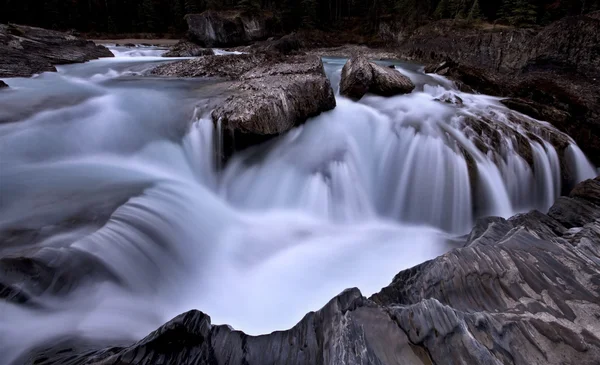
{"x":272,"y":99}
{"x":554,"y":71}
{"x":359,"y":76}
{"x":229,"y":28}
{"x":25,"y":51}
{"x":521,"y":291}
{"x":188,"y":49}
{"x":227,"y":66}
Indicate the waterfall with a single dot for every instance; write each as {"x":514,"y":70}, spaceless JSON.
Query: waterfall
{"x":348,"y":199}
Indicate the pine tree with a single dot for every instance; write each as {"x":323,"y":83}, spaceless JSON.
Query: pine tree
{"x":309,"y":16}
{"x":443,"y":10}
{"x":250,"y":6}
{"x":524,"y":13}
{"x":475,"y":13}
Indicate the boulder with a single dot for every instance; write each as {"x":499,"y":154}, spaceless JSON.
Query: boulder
{"x":229,"y":28}
{"x":286,"y":45}
{"x":272,"y":99}
{"x":359,"y":76}
{"x":2,"y":84}
{"x":25,"y":51}
{"x":188,"y":49}
{"x":521,"y":291}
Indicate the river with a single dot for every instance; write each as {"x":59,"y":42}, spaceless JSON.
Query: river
{"x":107,"y":176}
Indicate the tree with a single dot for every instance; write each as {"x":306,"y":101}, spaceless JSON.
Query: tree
{"x":309,"y":13}
{"x":250,"y":6}
{"x":443,"y":10}
{"x":475,"y":13}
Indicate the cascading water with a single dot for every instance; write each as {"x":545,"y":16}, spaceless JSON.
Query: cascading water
{"x":348,"y":199}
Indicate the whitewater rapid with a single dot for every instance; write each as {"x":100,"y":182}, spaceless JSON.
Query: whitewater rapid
{"x":347,"y":200}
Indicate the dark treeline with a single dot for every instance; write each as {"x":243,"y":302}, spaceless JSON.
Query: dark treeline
{"x":129,"y":16}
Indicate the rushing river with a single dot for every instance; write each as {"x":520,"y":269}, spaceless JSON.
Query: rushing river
{"x":113,"y":171}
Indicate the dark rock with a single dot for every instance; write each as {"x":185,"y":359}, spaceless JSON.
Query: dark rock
{"x":286,"y":45}
{"x":2,"y":84}
{"x":357,"y":77}
{"x":551,"y":74}
{"x":272,"y":99}
{"x":227,"y":66}
{"x":389,"y":82}
{"x":188,"y":49}
{"x":130,"y":45}
{"x":229,"y":28}
{"x":25,"y":51}
{"x":360,"y":76}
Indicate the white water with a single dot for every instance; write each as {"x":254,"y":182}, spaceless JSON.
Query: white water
{"x":349,"y":199}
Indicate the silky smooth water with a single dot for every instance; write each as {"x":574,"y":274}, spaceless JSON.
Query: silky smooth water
{"x":347,"y":200}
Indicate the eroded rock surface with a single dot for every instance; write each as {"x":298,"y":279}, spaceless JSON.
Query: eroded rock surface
{"x":188,"y":49}
{"x":521,"y":291}
{"x":229,"y":28}
{"x":25,"y":51}
{"x":272,"y":99}
{"x":359,"y":76}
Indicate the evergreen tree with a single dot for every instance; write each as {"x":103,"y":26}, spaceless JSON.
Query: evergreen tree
{"x":250,"y":6}
{"x":309,"y":13}
{"x":475,"y":13}
{"x":443,"y":10}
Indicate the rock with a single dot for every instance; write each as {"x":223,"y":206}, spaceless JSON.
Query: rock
{"x":272,"y":99}
{"x":357,"y":77}
{"x":229,"y":28}
{"x":551,"y":74}
{"x":188,"y":49}
{"x":360,"y":76}
{"x":25,"y":51}
{"x":227,"y":66}
{"x":286,"y":45}
{"x":2,"y":84}
{"x":389,"y":82}
{"x":522,"y":291}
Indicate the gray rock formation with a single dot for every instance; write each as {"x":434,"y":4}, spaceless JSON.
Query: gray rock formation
{"x":272,"y":99}
{"x":188,"y":49}
{"x":359,"y":76}
{"x":521,"y":291}
{"x":229,"y":28}
{"x":556,"y":68}
{"x":25,"y":51}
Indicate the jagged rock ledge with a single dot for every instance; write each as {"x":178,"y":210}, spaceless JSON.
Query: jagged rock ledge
{"x":25,"y":51}
{"x":521,"y":291}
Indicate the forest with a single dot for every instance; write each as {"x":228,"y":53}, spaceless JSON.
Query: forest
{"x":166,"y":16}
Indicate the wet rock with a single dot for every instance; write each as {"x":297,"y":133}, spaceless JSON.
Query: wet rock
{"x":229,"y":28}
{"x":359,"y":76}
{"x":188,"y":49}
{"x":272,"y":99}
{"x":287,"y":44}
{"x":25,"y":51}
{"x":2,"y":84}
{"x":227,"y":66}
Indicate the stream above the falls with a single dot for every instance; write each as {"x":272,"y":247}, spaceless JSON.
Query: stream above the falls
{"x":108,"y":174}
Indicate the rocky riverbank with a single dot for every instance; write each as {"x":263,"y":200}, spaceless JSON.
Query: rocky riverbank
{"x":552,"y":73}
{"x":25,"y":51}
{"x":521,"y":291}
